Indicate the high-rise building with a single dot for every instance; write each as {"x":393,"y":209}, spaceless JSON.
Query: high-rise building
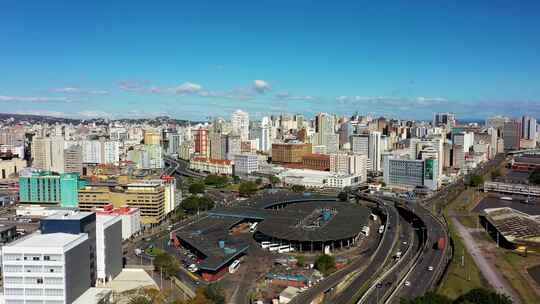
{"x":57,"y":154}
{"x":410,"y":173}
{"x":46,"y":268}
{"x":446,"y":119}
{"x":73,"y":159}
{"x":512,"y":135}
{"x":240,"y":124}
{"x":201,"y":141}
{"x":41,"y":153}
{"x":108,"y":247}
{"x":245,"y":163}
{"x":46,"y":188}
{"x":152,"y":137}
{"x":529,"y":126}
{"x":234,"y":145}
{"x":290,"y":152}
{"x":75,"y":223}
{"x":266,"y":134}
{"x":375,"y":150}
{"x":350,"y":163}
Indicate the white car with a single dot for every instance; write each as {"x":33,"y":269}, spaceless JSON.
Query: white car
{"x":430,"y":268}
{"x":407,"y":283}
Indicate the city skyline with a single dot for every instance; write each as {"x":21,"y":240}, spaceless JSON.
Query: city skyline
{"x":195,"y":60}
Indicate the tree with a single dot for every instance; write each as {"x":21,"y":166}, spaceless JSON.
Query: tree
{"x":167,"y":263}
{"x":476,"y":180}
{"x":428,"y":298}
{"x":325,"y":264}
{"x":259,"y":181}
{"x":236,"y":179}
{"x":274,"y":180}
{"x":247,"y":188}
{"x":534,"y":178}
{"x":298,"y":188}
{"x":300,"y":261}
{"x":193,"y":204}
{"x":481,"y":296}
{"x":216,"y":180}
{"x":215,"y":293}
{"x":196,"y":188}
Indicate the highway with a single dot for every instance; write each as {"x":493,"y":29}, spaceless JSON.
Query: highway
{"x":378,"y":257}
{"x":410,"y":245}
{"x":181,"y":167}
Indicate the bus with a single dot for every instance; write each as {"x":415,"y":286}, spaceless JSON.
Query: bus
{"x":234,"y":266}
{"x":273,"y":247}
{"x":265,"y":244}
{"x":284,"y":249}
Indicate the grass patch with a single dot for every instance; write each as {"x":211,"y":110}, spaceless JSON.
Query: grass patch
{"x":511,"y":266}
{"x":459,"y":279}
{"x":469,"y":221}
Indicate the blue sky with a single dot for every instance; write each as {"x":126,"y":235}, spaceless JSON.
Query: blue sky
{"x":207,"y":58}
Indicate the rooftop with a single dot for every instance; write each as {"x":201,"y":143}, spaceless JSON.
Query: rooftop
{"x":50,"y":240}
{"x":132,"y":278}
{"x":69,"y":215}
{"x":515,"y":226}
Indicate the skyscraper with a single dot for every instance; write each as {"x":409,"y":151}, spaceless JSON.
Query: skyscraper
{"x":375,"y":150}
{"x":41,"y":153}
{"x":240,"y":124}
{"x":511,"y":135}
{"x":528,"y":125}
{"x":446,"y":119}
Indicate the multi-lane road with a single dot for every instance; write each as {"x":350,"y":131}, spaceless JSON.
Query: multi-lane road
{"x":377,"y":257}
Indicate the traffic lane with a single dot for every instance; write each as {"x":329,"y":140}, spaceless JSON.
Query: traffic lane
{"x":385,"y":246}
{"x":385,"y":250}
{"x":392,"y":278}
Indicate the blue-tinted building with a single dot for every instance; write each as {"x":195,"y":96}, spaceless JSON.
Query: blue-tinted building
{"x":46,"y":188}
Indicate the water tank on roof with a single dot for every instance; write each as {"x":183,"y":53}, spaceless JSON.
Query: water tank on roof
{"x":221,"y":244}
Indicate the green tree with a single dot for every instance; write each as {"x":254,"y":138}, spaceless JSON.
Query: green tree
{"x":325,"y":264}
{"x":483,"y":296}
{"x":216,"y":180}
{"x":300,"y":261}
{"x":298,"y":188}
{"x":247,"y":188}
{"x":534,"y":178}
{"x":274,"y":180}
{"x":167,"y":263}
{"x":196,"y":188}
{"x":192,"y":204}
{"x":259,"y":181}
{"x":476,"y":180}
{"x":428,"y":298}
{"x":236,"y":179}
{"x":215,"y":293}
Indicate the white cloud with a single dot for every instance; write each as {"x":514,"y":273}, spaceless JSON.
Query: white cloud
{"x":77,"y":90}
{"x":188,"y":88}
{"x":133,"y":85}
{"x":33,"y":99}
{"x":288,"y":96}
{"x":42,"y":113}
{"x":261,"y":86}
{"x":94,"y":114}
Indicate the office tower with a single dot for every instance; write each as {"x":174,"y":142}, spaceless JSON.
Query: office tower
{"x":52,"y":267}
{"x":410,"y":173}
{"x":245,"y":163}
{"x":292,"y":152}
{"x":73,"y":159}
{"x":240,"y":124}
{"x":345,"y":132}
{"x":234,"y":144}
{"x":332,"y":143}
{"x":91,"y":151}
{"x":175,"y":140}
{"x":44,"y":188}
{"x":446,"y":119}
{"x":9,"y":167}
{"x":529,"y":125}
{"x":324,"y":126}
{"x":375,"y":150}
{"x":511,"y":135}
{"x":108,"y":247}
{"x":110,"y":151}
{"x":41,"y":153}
{"x":496,"y":122}
{"x":152,"y":137}
{"x":201,"y":141}
{"x":57,"y":154}
{"x":266,"y":134}
{"x":131,"y":218}
{"x":350,"y":163}
{"x":75,"y":223}
{"x":464,"y":139}
{"x":118,"y":134}
{"x":218,"y":145}
{"x":148,"y":196}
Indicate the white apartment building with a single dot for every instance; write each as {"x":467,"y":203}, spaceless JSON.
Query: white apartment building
{"x":46,"y":268}
{"x":318,"y":179}
{"x":240,"y":124}
{"x":350,"y":163}
{"x":108,"y":247}
{"x":245,"y":163}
